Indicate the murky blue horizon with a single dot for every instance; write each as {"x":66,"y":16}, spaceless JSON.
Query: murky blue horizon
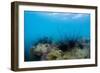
{"x":56,"y":25}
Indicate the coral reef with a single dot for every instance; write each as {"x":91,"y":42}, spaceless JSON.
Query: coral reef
{"x":45,"y":49}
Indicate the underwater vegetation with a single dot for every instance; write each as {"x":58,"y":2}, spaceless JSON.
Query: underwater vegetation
{"x":46,"y":49}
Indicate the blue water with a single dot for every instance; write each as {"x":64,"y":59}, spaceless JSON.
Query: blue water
{"x":56,"y":25}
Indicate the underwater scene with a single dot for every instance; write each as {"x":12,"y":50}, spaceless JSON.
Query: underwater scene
{"x":56,"y":36}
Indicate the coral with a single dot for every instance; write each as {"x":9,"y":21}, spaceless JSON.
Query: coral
{"x":45,"y":49}
{"x":39,"y":51}
{"x":82,"y":53}
{"x":76,"y":53}
{"x":68,"y":55}
{"x":55,"y":54}
{"x":41,"y":48}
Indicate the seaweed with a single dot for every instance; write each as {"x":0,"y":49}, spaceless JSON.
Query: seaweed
{"x":67,"y":45}
{"x":63,"y":46}
{"x":45,"y":40}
